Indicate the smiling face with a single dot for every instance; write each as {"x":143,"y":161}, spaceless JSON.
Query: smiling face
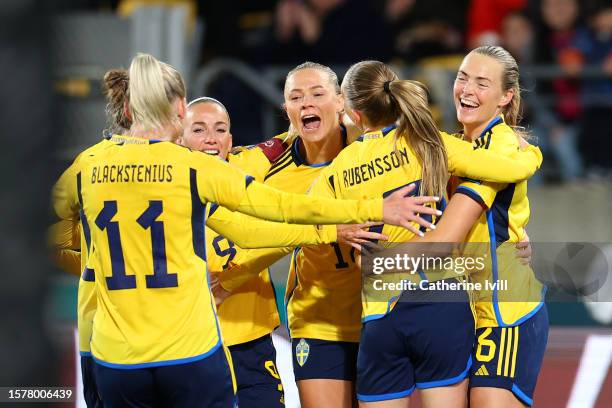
{"x":312,"y":104}
{"x":207,"y":129}
{"x":478,"y":93}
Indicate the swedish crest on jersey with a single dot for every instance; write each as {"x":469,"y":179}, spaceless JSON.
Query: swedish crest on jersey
{"x":302,"y":350}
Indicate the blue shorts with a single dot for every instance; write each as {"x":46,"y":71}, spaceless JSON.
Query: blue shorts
{"x":511,"y":357}
{"x":202,"y":383}
{"x":324,"y":359}
{"x":417,"y":345}
{"x":259,"y":384}
{"x":90,"y":389}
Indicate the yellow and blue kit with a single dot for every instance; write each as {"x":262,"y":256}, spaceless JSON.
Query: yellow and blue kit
{"x":511,"y":317}
{"x":64,"y":240}
{"x":324,"y":281}
{"x":121,"y":190}
{"x":250,"y":314}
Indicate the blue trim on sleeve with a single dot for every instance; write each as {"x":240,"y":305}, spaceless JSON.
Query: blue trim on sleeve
{"x":213,"y":208}
{"x":160,"y":363}
{"x":471,"y":193}
{"x":521,"y":395}
{"x":85,"y":354}
{"x":385,"y":397}
{"x":89,"y":275}
{"x":249,"y":180}
{"x":448,"y":381}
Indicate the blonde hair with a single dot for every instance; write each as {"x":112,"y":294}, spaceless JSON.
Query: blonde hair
{"x":331,"y":75}
{"x":372,"y":88}
{"x":292,"y":132}
{"x":509,"y":81}
{"x":115,"y":85}
{"x":153,"y":87}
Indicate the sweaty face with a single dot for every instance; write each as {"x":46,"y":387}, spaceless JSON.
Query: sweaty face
{"x":207,"y":129}
{"x":478,"y":91}
{"x":312,"y":104}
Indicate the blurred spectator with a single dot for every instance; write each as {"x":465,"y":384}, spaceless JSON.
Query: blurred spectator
{"x":422,"y":29}
{"x":331,"y":31}
{"x":485,"y":19}
{"x":518,"y":36}
{"x":243,"y":30}
{"x":593,"y":45}
{"x":560,"y":110}
{"x":240,"y":29}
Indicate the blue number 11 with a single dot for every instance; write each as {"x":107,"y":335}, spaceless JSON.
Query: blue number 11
{"x":147,"y":220}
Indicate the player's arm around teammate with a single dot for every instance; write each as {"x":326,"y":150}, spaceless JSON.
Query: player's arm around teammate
{"x":373,"y":93}
{"x":121,"y":190}
{"x":511,"y":335}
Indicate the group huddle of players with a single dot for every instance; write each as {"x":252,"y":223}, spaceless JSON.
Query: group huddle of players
{"x":172,"y":232}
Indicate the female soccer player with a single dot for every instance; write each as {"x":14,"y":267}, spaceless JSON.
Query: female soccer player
{"x":511,"y":334}
{"x":418,"y":357}
{"x":71,"y":242}
{"x":155,"y":337}
{"x":323,"y":314}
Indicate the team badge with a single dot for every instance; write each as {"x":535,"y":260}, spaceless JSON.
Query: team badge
{"x":301,"y":352}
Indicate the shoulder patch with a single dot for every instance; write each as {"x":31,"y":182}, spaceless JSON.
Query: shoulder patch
{"x":273,"y":148}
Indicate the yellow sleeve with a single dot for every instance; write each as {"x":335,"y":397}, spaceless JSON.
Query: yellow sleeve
{"x":252,"y":161}
{"x":68,"y":260}
{"x":481,"y":192}
{"x":483,"y":164}
{"x":248,"y":264}
{"x":251,"y":232}
{"x":64,"y":234}
{"x":239,"y":192}
{"x":64,"y":195}
{"x":64,"y":240}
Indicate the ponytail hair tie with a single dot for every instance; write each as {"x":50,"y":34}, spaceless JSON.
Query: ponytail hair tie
{"x":386,"y":87}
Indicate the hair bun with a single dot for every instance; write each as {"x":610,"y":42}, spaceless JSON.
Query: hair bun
{"x":115,"y":83}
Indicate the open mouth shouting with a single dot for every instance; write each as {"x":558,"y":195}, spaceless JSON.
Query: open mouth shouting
{"x":311,"y":122}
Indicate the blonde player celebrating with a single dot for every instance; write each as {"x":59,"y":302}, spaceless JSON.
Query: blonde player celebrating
{"x":323,"y":285}
{"x":512,"y":334}
{"x":155,"y":338}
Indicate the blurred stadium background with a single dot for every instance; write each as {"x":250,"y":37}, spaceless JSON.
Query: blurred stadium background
{"x":240,"y":52}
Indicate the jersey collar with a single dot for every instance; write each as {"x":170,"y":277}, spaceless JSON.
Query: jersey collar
{"x":300,"y":161}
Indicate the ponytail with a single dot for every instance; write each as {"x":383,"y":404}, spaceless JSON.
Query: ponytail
{"x":153,"y":87}
{"x":372,"y":88}
{"x":115,"y":85}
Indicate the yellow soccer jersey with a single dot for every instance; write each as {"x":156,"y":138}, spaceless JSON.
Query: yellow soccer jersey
{"x":144,"y":202}
{"x":325,"y":282}
{"x":289,"y":173}
{"x":501,"y":226}
{"x":322,"y":298}
{"x":251,"y":311}
{"x":86,"y":297}
{"x":318,"y":272}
